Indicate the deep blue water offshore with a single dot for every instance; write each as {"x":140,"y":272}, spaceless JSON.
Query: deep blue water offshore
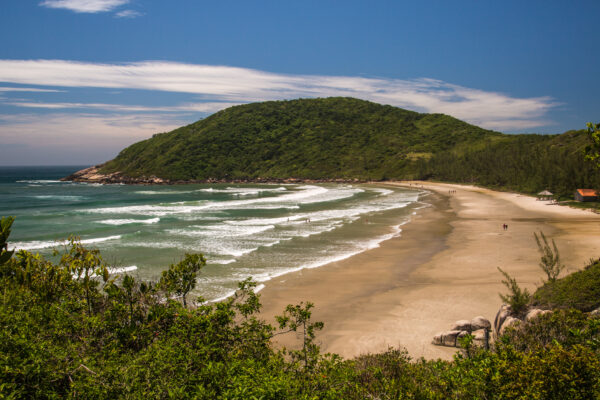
{"x":261,"y":231}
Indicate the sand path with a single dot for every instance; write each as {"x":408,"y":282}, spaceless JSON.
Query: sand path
{"x":443,"y":268}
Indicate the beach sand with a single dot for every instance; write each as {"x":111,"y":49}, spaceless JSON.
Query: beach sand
{"x":441,"y":269}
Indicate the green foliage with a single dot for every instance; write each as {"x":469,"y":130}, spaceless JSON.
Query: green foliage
{"x":565,"y":327}
{"x":5,"y":224}
{"x":579,"y":290}
{"x":308,"y":138}
{"x":518,"y":299}
{"x":592,"y":150}
{"x":550,"y":257}
{"x":136,"y":343}
{"x":180,"y":278}
{"x":466,"y":343}
{"x":346,"y":138}
{"x":298,"y":317}
{"x":522,"y":163}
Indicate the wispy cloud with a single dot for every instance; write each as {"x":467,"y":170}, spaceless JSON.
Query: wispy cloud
{"x":240,"y":85}
{"x":30,"y":139}
{"x":85,"y":6}
{"x":206,"y":107}
{"x":128,"y":14}
{"x":25,"y":89}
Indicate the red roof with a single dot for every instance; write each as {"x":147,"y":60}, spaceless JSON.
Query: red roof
{"x":587,"y":192}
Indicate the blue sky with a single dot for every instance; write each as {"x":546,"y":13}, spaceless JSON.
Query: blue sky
{"x":81,"y":79}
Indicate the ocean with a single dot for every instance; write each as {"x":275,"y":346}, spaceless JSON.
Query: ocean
{"x":251,"y":230}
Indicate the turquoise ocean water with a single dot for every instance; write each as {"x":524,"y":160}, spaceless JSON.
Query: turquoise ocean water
{"x":262,"y":231}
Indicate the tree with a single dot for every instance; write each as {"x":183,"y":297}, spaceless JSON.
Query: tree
{"x":85,"y":266}
{"x":298,"y":317}
{"x":518,"y":299}
{"x":180,"y":278}
{"x":592,"y":150}
{"x":550,"y":258}
{"x":5,"y":224}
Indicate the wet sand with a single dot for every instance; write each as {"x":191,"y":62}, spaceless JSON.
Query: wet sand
{"x":441,"y":269}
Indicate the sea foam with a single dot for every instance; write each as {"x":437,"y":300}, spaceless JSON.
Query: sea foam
{"x":35,"y":244}
{"x":129,"y":221}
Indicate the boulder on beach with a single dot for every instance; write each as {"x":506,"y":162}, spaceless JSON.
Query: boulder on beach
{"x":508,"y":322}
{"x":462,"y":325}
{"x":501,"y":316}
{"x":449,"y":338}
{"x":479,"y":336}
{"x":534,"y":313}
{"x":480,"y":322}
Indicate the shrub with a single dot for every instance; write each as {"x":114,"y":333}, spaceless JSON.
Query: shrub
{"x":550,"y":257}
{"x":518,"y":298}
{"x":579,"y":290}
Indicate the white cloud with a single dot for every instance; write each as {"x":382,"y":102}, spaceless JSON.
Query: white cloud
{"x":21,"y":89}
{"x":128,"y":14}
{"x":206,"y":107}
{"x":88,"y":129}
{"x":240,"y":85}
{"x":57,"y":139}
{"x":85,"y":6}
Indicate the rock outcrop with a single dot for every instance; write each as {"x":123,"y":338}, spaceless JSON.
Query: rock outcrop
{"x":505,"y":318}
{"x":478,"y":327}
{"x":92,"y":175}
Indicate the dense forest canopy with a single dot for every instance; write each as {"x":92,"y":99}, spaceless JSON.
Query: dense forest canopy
{"x":307,"y":138}
{"x":346,"y":138}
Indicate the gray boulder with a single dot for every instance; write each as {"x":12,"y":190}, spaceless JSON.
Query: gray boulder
{"x":508,"y":321}
{"x":480,"y":322}
{"x":462,"y":325}
{"x":502,"y":314}
{"x":479,"y":335}
{"x":534,"y":313}
{"x":449,"y":338}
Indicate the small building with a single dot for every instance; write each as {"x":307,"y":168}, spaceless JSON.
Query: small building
{"x":545,"y":195}
{"x":586,"y":195}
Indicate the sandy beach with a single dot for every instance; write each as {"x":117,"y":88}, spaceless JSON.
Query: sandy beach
{"x":441,"y":269}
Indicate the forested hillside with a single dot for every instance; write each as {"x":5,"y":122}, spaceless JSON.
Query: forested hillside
{"x":346,"y":138}
{"x":524,"y":163}
{"x":308,"y":138}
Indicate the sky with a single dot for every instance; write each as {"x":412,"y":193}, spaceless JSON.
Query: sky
{"x":82,"y":79}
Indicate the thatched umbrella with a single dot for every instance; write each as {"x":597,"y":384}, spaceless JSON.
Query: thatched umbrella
{"x":545,"y":195}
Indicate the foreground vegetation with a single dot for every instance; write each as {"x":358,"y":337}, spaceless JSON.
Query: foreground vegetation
{"x":71,"y":330}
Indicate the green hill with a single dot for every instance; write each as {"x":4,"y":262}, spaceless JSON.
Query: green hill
{"x":308,"y":139}
{"x":346,"y":138}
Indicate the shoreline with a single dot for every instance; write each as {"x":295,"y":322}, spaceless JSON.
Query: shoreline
{"x":91,"y":175}
{"x":442,"y":268}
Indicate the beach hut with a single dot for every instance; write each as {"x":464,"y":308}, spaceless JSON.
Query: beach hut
{"x":545,"y":195}
{"x":586,"y":195}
